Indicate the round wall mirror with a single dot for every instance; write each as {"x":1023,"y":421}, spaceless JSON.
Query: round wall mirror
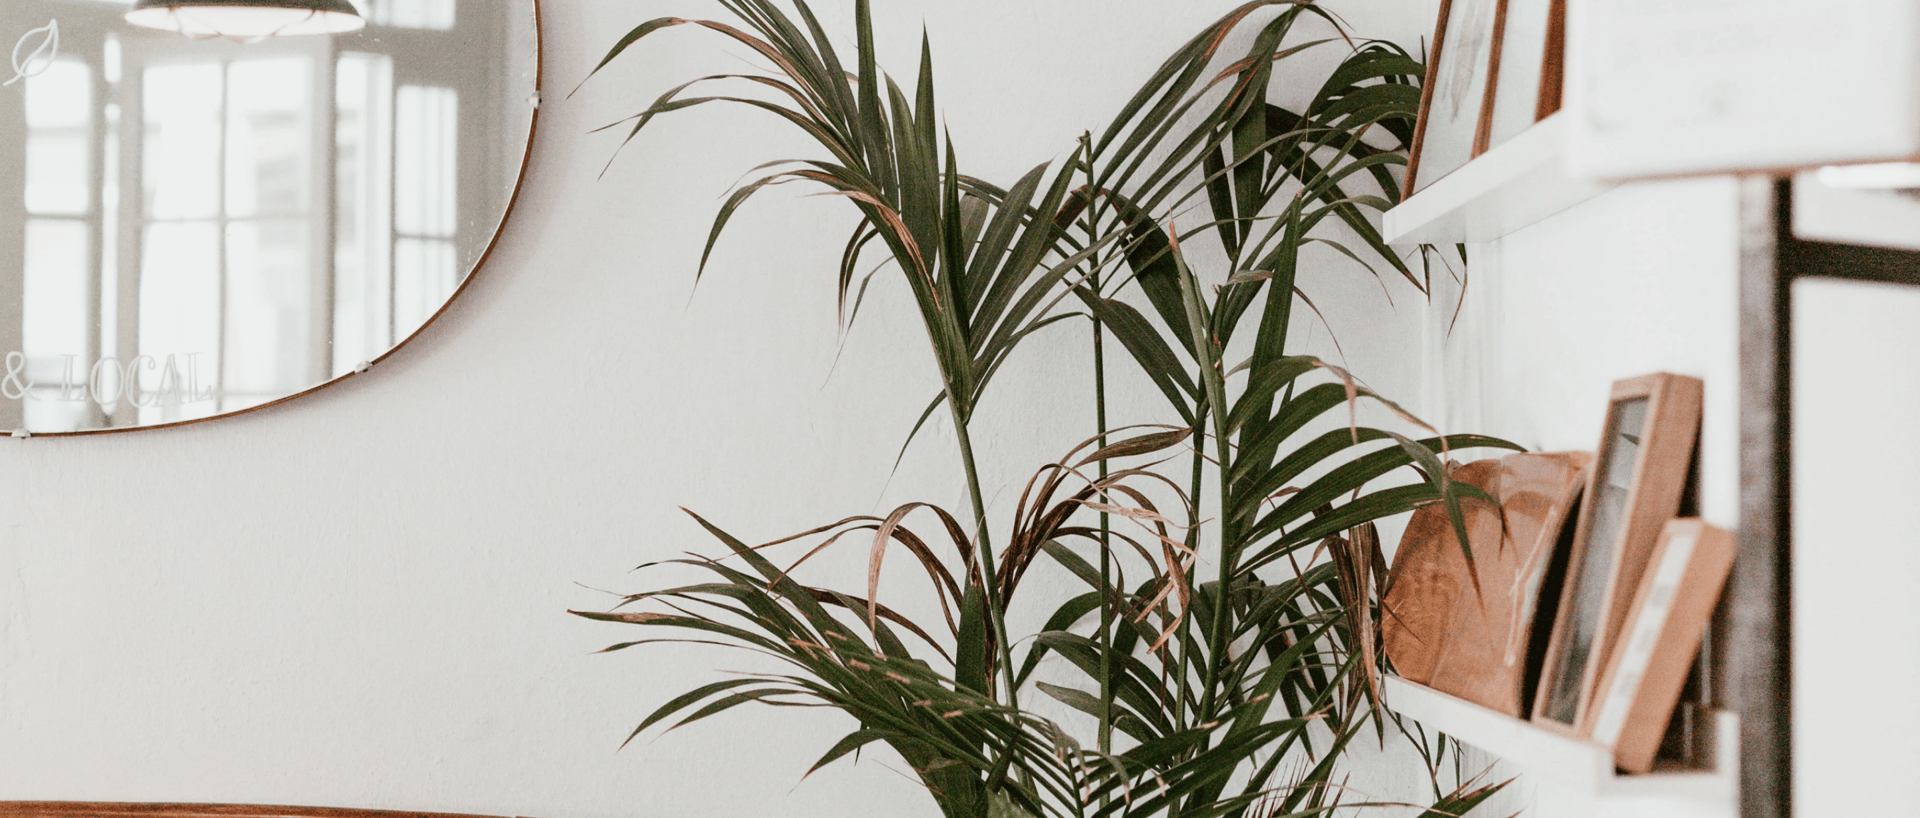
{"x":192,"y":226}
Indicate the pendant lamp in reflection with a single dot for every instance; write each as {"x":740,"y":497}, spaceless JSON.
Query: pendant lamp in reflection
{"x":247,"y":19}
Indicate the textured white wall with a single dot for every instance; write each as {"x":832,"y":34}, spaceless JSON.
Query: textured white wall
{"x":357,"y":599}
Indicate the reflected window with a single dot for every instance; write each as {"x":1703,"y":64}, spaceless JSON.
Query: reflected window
{"x":363,"y":209}
{"x":58,"y":263}
{"x":397,"y":209}
{"x":209,"y":225}
{"x":225,"y":278}
{"x":426,"y":203}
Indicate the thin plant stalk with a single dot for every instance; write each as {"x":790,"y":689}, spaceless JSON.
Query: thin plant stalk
{"x":1100,"y":425}
{"x":1212,"y":378}
{"x":983,"y":546}
{"x":1193,"y":545}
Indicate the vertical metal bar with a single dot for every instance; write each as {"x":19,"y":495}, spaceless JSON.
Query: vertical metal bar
{"x":1758,"y":681}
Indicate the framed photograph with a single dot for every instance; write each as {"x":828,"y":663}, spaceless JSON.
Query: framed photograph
{"x":1634,"y":488}
{"x":1529,"y":56}
{"x":1453,"y":97}
{"x":1643,"y":680}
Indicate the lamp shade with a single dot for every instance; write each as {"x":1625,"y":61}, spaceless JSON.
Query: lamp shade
{"x":247,"y":19}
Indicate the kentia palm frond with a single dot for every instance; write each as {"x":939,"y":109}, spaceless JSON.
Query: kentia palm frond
{"x":939,"y":713}
{"x":1268,"y":178}
{"x":1215,"y":685}
{"x":974,"y":263}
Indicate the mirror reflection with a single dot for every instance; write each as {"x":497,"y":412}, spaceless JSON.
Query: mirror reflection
{"x":190,"y":227}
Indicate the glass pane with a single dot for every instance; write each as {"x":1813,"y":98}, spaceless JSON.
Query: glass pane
{"x":58,"y":173}
{"x":426,"y":148}
{"x":59,"y":114}
{"x":1607,"y":519}
{"x":424,"y":275}
{"x":269,"y":136}
{"x":268,"y":298}
{"x":62,"y":97}
{"x":363,"y":210}
{"x":110,"y":58}
{"x":182,"y":104}
{"x":109,"y":300}
{"x":180,"y":295}
{"x":55,"y":319}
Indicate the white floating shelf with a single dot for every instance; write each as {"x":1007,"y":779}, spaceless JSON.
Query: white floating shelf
{"x":1580,"y":768}
{"x":1512,"y":185}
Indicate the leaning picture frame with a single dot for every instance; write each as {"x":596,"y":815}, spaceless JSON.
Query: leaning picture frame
{"x":1525,"y":78}
{"x":1635,"y":486}
{"x":1637,"y":693}
{"x":1453,"y":96}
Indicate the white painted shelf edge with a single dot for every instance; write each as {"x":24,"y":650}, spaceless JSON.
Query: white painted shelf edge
{"x":1514,"y":184}
{"x":1570,"y":763}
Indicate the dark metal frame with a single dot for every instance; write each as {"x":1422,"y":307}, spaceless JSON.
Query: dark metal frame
{"x":1760,"y":594}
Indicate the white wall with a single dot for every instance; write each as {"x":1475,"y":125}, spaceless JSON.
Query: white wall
{"x":1854,"y":561}
{"x":358,"y":599}
{"x":1640,"y":279}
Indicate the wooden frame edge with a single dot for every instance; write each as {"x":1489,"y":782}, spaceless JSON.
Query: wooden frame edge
{"x":1483,"y":124}
{"x":1675,"y":407}
{"x":1666,"y":394}
{"x":1426,"y":101}
{"x":1553,"y":65}
{"x":1687,"y":620}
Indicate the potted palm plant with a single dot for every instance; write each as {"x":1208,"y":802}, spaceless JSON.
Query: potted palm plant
{"x":1233,"y":693}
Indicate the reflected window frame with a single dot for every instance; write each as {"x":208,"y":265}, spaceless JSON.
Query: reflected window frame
{"x":117,"y":229}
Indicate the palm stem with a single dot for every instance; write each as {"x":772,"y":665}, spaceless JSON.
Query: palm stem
{"x":1213,"y":380}
{"x":1100,"y":425}
{"x":983,"y":547}
{"x":1193,"y":545}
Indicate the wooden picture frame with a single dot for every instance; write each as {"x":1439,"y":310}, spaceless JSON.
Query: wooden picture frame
{"x":1671,"y":607}
{"x":1638,"y":476}
{"x":1453,"y":95}
{"x":1527,"y":70}
{"x":1553,"y":79}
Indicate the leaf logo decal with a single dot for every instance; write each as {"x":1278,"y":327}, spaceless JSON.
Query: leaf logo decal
{"x":41,"y":57}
